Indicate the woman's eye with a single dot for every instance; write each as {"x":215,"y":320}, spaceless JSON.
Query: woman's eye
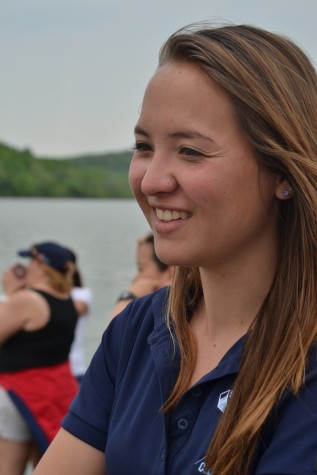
{"x":141,"y":147}
{"x":191,"y":152}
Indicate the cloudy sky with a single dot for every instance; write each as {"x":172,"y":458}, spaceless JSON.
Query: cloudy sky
{"x":73,"y":72}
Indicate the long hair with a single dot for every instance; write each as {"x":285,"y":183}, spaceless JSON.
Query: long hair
{"x":273,"y":87}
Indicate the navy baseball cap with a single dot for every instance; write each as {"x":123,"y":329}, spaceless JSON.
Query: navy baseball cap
{"x":50,"y":253}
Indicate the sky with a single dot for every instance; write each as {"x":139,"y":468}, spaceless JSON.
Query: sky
{"x":73,"y":72}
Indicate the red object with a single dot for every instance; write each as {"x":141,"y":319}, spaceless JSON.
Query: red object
{"x":42,"y":395}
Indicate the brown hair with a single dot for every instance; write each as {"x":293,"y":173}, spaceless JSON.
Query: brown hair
{"x":60,"y":281}
{"x":273,"y":87}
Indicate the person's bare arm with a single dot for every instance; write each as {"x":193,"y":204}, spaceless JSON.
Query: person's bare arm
{"x":68,"y":455}
{"x":138,"y":287}
{"x":25,"y":310}
{"x":81,"y":307}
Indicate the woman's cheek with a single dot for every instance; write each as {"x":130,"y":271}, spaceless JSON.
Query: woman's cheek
{"x":135,"y":178}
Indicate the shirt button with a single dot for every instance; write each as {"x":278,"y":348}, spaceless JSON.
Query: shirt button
{"x":196,"y":392}
{"x":182,"y":424}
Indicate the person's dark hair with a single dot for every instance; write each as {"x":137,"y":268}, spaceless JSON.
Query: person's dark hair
{"x":77,"y":279}
{"x":160,"y":265}
{"x":273,"y":87}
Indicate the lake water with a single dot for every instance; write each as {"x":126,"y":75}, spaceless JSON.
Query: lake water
{"x":102,"y":232}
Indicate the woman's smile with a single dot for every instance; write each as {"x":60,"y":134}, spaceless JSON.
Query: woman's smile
{"x":171,"y":214}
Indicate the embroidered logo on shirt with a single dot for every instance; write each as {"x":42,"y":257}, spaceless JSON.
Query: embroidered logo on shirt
{"x":201,"y":467}
{"x":222,"y":404}
{"x":223,"y":400}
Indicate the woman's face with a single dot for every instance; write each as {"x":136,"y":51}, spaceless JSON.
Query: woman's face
{"x":195,"y":176}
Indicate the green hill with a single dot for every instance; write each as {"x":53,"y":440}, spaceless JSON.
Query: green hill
{"x":88,"y":176}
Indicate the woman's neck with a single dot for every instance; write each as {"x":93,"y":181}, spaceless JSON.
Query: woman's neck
{"x":233,"y":295}
{"x":46,"y":287}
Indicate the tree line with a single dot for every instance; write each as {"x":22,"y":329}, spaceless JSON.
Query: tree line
{"x":88,"y":176}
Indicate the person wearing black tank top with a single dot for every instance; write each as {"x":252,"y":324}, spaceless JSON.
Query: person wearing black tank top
{"x":37,"y":327}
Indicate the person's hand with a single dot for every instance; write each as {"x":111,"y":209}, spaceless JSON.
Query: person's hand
{"x":14,"y":278}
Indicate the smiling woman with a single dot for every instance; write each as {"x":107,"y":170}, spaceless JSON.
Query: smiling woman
{"x":217,"y":374}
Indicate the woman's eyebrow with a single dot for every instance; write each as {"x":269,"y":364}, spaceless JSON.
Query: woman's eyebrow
{"x":139,"y":131}
{"x":182,"y":134}
{"x":190,"y":134}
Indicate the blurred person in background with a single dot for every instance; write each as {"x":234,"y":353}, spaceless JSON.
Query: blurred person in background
{"x":82,"y":297}
{"x":37,"y":326}
{"x":152,"y":274}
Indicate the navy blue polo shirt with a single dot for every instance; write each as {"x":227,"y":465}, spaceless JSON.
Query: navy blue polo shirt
{"x":118,"y":409}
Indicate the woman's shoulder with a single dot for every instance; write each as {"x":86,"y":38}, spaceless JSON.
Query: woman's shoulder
{"x":27,"y":296}
{"x":25,"y":310}
{"x":311,"y":368}
{"x":129,"y":332}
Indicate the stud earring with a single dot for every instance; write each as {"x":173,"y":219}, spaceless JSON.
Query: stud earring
{"x":287,"y":192}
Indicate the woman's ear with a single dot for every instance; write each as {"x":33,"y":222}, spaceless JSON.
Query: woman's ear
{"x":283,"y":189}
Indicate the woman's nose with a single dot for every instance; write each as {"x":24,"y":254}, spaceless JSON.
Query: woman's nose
{"x":159,"y":176}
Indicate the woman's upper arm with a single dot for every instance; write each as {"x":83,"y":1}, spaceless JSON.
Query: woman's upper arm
{"x":68,"y":455}
{"x":12,"y":318}
{"x":25,"y":310}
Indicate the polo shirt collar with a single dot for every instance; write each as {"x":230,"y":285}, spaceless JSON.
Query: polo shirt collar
{"x":166,"y":356}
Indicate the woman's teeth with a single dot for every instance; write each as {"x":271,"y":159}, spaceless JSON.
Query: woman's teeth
{"x":169,"y":215}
